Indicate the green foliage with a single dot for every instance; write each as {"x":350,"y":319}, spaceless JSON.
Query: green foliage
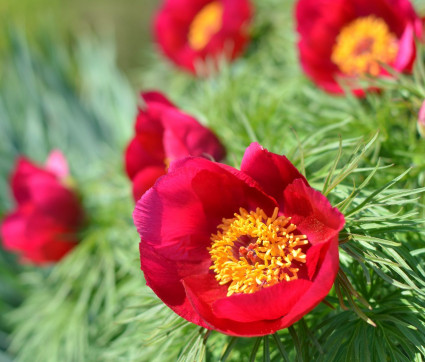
{"x":79,"y":102}
{"x":365,"y":155}
{"x":75,"y":100}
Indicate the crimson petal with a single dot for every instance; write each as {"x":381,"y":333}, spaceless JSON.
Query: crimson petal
{"x":273,"y":172}
{"x":311,"y":212}
{"x":164,"y":276}
{"x":181,"y":211}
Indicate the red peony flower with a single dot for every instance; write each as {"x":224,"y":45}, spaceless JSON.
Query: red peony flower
{"x":164,"y":134}
{"x":348,"y":39}
{"x":192,"y":31}
{"x":43,"y":226}
{"x":244,"y":252}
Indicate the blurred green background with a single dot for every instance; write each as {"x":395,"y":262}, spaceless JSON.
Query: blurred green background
{"x":60,"y":88}
{"x":128,"y":22}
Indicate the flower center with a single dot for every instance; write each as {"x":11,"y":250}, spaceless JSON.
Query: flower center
{"x":362,"y":45}
{"x":206,"y":23}
{"x":253,"y":251}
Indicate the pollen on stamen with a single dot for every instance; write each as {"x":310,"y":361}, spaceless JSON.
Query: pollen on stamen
{"x":206,"y":23}
{"x":363,"y":45}
{"x":272,"y":254}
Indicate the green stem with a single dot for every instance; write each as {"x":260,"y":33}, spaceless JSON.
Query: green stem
{"x":266,"y":350}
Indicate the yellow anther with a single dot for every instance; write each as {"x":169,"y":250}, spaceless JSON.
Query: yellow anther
{"x":206,"y":23}
{"x":264,"y":260}
{"x":362,"y":45}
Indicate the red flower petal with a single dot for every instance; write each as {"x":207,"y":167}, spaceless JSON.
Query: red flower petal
{"x":273,"y":172}
{"x":202,"y":291}
{"x":171,"y":28}
{"x":315,"y":257}
{"x":265,"y":304}
{"x":54,"y":250}
{"x":137,"y":158}
{"x":38,"y":237}
{"x":231,"y":39}
{"x":48,"y":240}
{"x":173,"y":21}
{"x":56,"y":164}
{"x":179,"y":214}
{"x":184,"y":136}
{"x":145,"y":179}
{"x":164,"y":278}
{"x":13,"y":230}
{"x":156,"y":97}
{"x":407,"y":50}
{"x":19,"y":180}
{"x":54,"y":200}
{"x":311,"y":212}
{"x":148,"y":118}
{"x":320,"y":288}
{"x":48,"y":251}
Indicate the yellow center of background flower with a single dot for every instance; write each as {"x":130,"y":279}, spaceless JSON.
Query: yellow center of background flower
{"x":206,"y":23}
{"x":362,"y":45}
{"x":253,"y":251}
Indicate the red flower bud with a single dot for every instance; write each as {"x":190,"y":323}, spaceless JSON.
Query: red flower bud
{"x":244,"y":252}
{"x":43,"y":227}
{"x":164,"y":134}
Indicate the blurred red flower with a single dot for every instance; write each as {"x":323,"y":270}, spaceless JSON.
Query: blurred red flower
{"x":244,"y":252}
{"x":164,"y":134}
{"x":190,"y":32}
{"x":350,"y":39}
{"x":43,"y":226}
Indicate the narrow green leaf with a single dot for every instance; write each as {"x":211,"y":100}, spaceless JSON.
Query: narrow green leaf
{"x":280,"y":347}
{"x":255,"y":349}
{"x":297,"y":343}
{"x":229,"y":349}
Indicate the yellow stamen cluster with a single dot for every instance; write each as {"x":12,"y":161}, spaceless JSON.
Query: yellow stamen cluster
{"x":253,"y":251}
{"x":362,"y":45}
{"x":206,"y":23}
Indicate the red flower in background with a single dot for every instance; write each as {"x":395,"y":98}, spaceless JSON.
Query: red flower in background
{"x":164,"y":134}
{"x":192,"y":31}
{"x":244,"y":252}
{"x":349,"y":39}
{"x":43,"y":227}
